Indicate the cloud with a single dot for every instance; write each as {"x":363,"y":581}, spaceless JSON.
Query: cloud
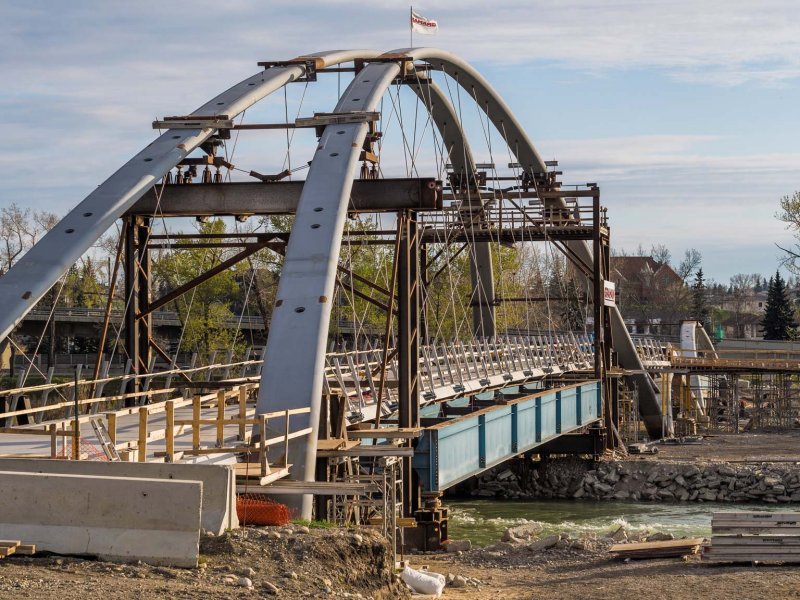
{"x":83,"y":79}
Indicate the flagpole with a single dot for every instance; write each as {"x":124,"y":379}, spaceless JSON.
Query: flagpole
{"x":411,"y":25}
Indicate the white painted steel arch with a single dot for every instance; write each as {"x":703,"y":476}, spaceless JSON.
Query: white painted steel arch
{"x":41,"y":267}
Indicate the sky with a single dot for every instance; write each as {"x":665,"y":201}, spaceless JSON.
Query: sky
{"x":684,"y":112}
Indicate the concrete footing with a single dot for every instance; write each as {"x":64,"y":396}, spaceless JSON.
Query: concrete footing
{"x":114,"y":518}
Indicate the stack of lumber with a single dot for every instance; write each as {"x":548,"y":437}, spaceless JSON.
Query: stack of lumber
{"x":755,"y":537}
{"x":8,"y":547}
{"x":666,"y":549}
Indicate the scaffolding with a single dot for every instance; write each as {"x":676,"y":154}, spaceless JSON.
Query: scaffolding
{"x":381,"y":503}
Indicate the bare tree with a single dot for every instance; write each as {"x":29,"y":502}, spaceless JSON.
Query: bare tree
{"x":790,"y":214}
{"x":661,"y":254}
{"x":691,"y":260}
{"x":20,"y":228}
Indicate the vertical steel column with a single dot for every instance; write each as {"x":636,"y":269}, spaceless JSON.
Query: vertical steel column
{"x":131,"y":300}
{"x":602,"y":349}
{"x":144,"y":329}
{"x":137,"y":297}
{"x":408,"y":291}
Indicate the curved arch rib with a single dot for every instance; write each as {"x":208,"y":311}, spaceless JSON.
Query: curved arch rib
{"x":447,"y":122}
{"x":41,"y":267}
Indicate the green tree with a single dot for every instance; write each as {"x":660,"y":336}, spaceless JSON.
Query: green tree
{"x":700,"y":310}
{"x":205,"y":311}
{"x":778,"y":322}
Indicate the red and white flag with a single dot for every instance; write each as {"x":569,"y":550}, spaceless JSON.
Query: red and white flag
{"x":420,"y":24}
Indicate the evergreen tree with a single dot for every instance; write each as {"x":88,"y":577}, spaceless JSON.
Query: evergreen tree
{"x":778,"y":321}
{"x":700,"y":311}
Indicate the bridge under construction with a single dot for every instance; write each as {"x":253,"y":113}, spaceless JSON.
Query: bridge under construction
{"x":447,"y":384}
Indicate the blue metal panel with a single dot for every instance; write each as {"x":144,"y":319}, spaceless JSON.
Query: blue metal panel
{"x":458,"y":448}
{"x":497,"y":432}
{"x":526,"y":425}
{"x":590,"y":401}
{"x":569,"y":415}
{"x":548,"y":416}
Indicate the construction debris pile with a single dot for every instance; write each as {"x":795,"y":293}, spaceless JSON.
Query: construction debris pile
{"x":643,"y":481}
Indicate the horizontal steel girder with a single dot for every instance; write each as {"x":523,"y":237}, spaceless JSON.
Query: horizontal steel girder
{"x":256,"y":198}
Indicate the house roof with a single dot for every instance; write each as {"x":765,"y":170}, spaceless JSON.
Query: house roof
{"x":629,"y":268}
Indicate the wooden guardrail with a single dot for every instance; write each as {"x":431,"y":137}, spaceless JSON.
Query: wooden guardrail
{"x":175,"y":427}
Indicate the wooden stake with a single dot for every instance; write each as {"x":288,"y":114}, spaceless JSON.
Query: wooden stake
{"x":196,"y":423}
{"x":170,"y":432}
{"x":142,"y":451}
{"x":242,"y":412}
{"x":220,"y":418}
{"x":53,"y":440}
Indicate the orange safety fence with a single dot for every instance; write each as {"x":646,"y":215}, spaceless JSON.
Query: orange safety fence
{"x":88,"y":450}
{"x":257,"y":509}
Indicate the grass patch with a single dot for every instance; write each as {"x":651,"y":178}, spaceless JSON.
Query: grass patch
{"x":315,"y":524}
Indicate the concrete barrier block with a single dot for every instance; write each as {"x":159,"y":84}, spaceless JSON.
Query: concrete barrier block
{"x":219,"y":481}
{"x":114,"y":518}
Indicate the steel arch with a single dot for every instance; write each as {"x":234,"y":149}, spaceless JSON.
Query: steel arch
{"x":41,"y":267}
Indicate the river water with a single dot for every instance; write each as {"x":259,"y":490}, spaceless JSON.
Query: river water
{"x":483,"y":521}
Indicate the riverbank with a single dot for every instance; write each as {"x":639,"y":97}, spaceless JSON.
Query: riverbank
{"x":688,"y":473}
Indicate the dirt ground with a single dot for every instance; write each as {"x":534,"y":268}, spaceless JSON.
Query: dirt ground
{"x":592,"y":576}
{"x":286,"y":562}
{"x":294,"y":562}
{"x":743,"y":447}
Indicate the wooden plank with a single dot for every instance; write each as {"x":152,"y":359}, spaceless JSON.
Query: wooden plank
{"x":253,"y":477}
{"x":316,"y":488}
{"x":7,"y":550}
{"x":25,"y":549}
{"x":9,"y":543}
{"x":336,"y":444}
{"x":384,"y":433}
{"x":656,"y":545}
{"x":368,"y":451}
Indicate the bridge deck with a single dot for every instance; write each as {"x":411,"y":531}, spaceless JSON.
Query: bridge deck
{"x":452,"y":451}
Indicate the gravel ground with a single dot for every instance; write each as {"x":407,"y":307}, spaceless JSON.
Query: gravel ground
{"x":590,"y":575}
{"x":290,"y":562}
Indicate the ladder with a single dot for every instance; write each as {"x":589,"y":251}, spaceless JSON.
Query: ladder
{"x":109,"y":449}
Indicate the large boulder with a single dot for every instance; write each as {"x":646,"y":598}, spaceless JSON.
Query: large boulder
{"x":522,"y":533}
